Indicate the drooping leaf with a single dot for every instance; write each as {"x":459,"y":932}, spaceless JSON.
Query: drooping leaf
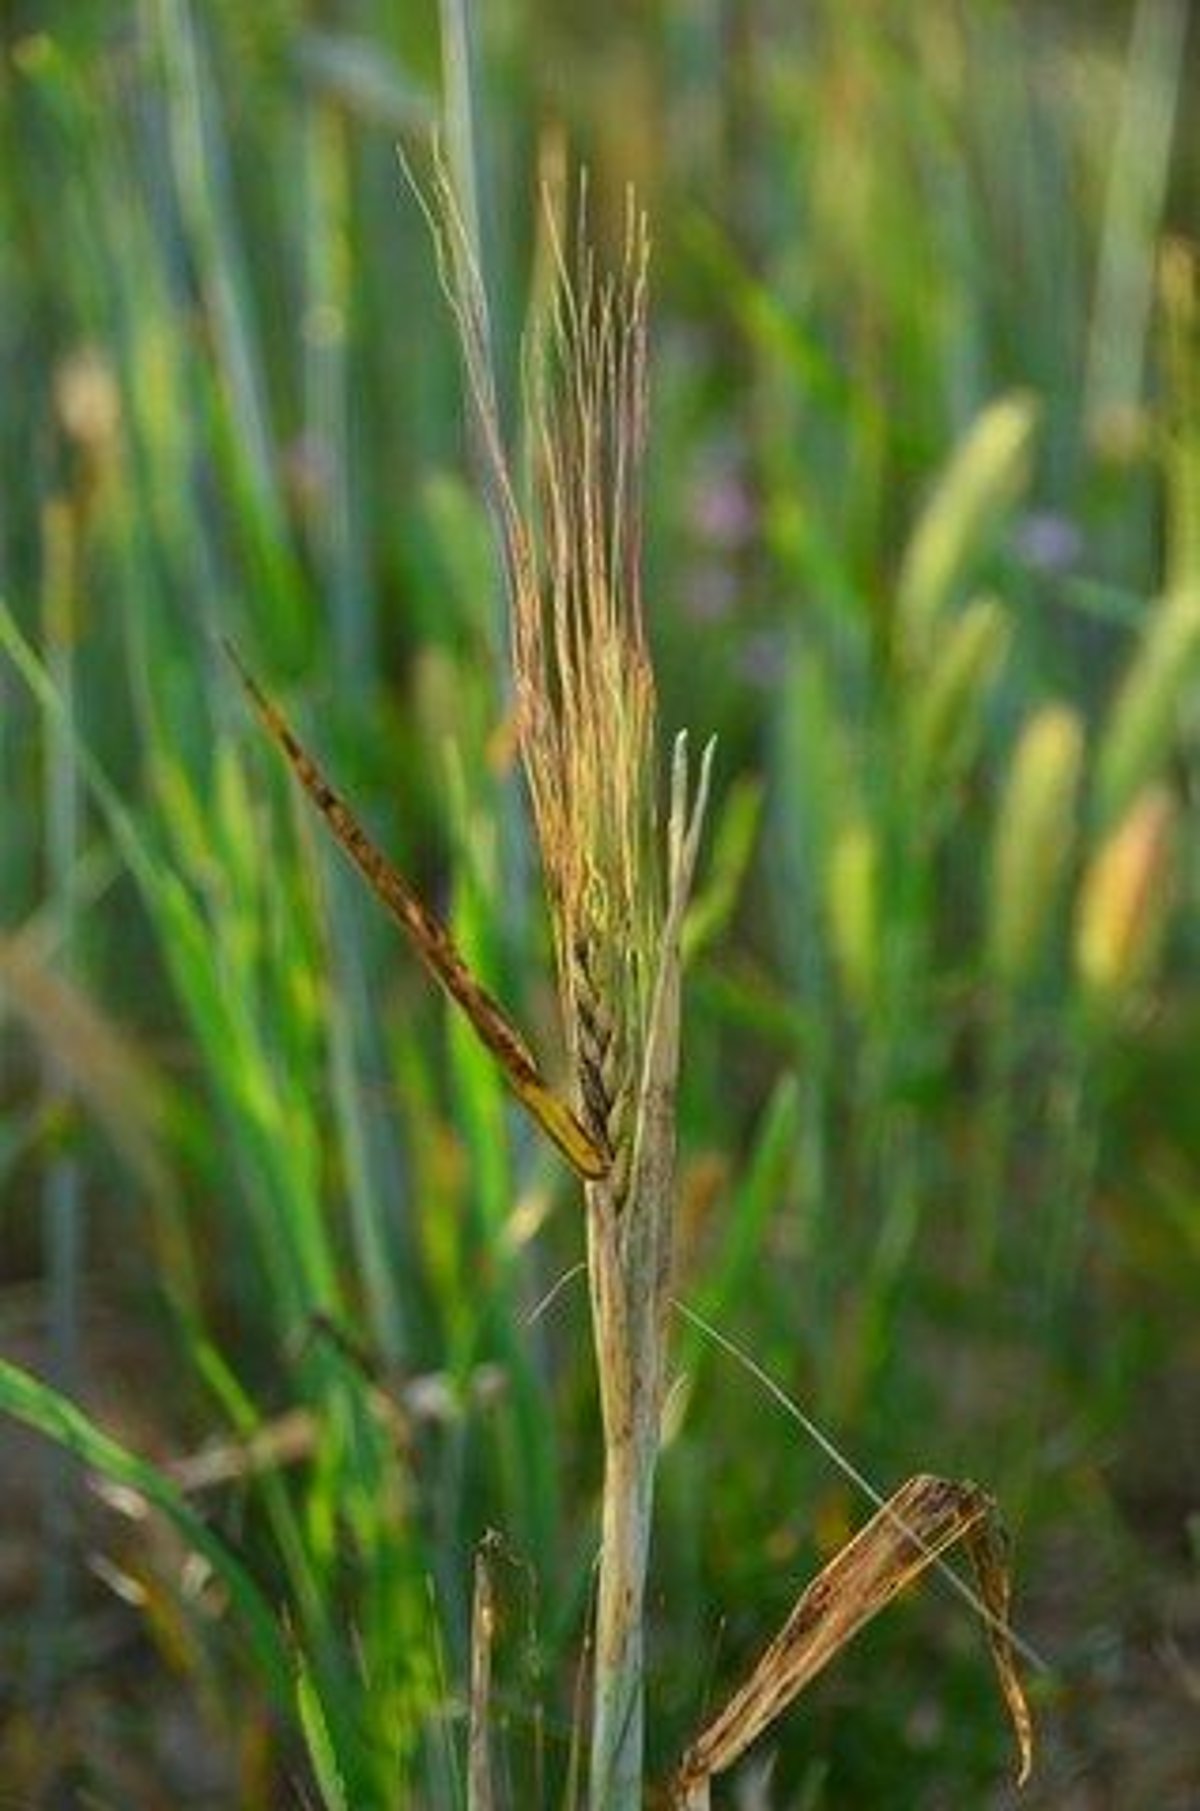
{"x":434,"y":945}
{"x":908,"y":1534}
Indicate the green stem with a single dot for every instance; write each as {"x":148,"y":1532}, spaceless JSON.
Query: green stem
{"x":62,"y":1193}
{"x":1000,"y":1058}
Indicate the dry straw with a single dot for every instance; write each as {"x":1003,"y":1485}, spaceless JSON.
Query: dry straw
{"x":907,"y":1534}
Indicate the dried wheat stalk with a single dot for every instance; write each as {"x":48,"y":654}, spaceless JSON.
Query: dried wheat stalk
{"x":617,"y":886}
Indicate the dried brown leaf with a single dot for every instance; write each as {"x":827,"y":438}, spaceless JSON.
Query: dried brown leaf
{"x":910,"y":1531}
{"x":433,"y":944}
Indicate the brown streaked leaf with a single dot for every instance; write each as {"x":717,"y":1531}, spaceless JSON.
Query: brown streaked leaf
{"x":910,"y":1531}
{"x":433,"y":944}
{"x":987,"y":1544}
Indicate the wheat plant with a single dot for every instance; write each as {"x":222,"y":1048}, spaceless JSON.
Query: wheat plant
{"x":617,"y":879}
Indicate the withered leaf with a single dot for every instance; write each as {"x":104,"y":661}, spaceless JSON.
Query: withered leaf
{"x":433,"y":944}
{"x":910,"y":1531}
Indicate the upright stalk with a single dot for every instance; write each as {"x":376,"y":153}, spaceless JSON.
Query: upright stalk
{"x":628,"y":1405}
{"x":62,"y":1195}
{"x":629,"y":1265}
{"x":617,"y":890}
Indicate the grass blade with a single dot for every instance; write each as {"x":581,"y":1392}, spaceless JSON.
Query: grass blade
{"x":38,"y":1406}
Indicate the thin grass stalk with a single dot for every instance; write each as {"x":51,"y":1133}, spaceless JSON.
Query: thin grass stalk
{"x":629,"y":1254}
{"x":1031,"y":849}
{"x":1139,"y":169}
{"x":62,"y":1191}
{"x":457,"y":33}
{"x":480,"y":1796}
{"x":891,"y":1153}
{"x":194,"y":125}
{"x":335,"y":525}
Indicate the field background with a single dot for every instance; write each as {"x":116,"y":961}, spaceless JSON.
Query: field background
{"x":941,"y":1107}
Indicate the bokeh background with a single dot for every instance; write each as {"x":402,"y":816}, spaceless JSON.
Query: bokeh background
{"x":923,"y":550}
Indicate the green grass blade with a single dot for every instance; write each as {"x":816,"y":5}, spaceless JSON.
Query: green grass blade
{"x":35,"y":1404}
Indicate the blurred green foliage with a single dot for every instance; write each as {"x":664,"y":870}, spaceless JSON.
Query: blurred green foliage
{"x":923,"y":550}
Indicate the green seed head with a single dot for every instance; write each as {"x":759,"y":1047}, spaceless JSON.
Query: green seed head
{"x":1034,"y":835}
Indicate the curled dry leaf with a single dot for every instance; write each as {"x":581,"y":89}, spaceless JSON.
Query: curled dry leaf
{"x":910,"y":1531}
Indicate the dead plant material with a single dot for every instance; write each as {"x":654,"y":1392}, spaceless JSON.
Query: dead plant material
{"x":433,"y":944}
{"x":909,"y":1533}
